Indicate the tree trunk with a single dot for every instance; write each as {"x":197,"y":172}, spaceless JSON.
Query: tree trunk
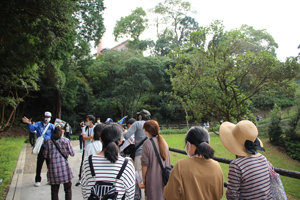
{"x":186,"y":117}
{"x":58,"y":108}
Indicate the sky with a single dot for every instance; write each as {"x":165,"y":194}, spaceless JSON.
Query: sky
{"x":279,"y":18}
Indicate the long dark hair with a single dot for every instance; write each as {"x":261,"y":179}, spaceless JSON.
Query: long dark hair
{"x":57,"y":133}
{"x":152,"y":127}
{"x":199,"y":137}
{"x":97,"y":131}
{"x":111,"y":136}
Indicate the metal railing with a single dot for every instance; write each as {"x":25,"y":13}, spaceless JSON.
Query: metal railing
{"x":283,"y":172}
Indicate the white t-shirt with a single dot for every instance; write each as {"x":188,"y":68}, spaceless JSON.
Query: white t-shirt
{"x":93,"y":148}
{"x":88,"y":132}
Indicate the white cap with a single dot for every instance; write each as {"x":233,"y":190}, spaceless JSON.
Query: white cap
{"x":47,"y":114}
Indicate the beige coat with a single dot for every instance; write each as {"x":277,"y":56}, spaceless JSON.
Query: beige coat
{"x":195,"y":178}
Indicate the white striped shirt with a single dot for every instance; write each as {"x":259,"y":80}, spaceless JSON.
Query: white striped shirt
{"x":107,"y":171}
{"x":249,"y":176}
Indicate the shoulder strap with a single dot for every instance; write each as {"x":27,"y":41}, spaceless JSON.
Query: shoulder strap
{"x":58,"y":149}
{"x":45,"y":130}
{"x":138,"y":146}
{"x":157,"y":155}
{"x":122,"y":168}
{"x":87,"y":128}
{"x":91,"y":166}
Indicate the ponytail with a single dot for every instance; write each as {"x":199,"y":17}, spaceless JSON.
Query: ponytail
{"x":152,"y":127}
{"x":111,"y":136}
{"x":111,"y":152}
{"x":162,"y":147}
{"x":199,"y":137}
{"x":205,"y":150}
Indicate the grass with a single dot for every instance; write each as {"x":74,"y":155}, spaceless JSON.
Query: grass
{"x":10,"y":149}
{"x":275,"y":155}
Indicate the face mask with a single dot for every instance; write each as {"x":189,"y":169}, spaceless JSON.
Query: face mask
{"x":87,"y":123}
{"x":186,"y":149}
{"x":98,"y":121}
{"x":47,"y":120}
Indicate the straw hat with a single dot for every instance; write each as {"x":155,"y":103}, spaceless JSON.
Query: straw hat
{"x":233,"y":136}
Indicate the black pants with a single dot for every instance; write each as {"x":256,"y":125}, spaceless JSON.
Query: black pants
{"x":39,"y":164}
{"x":68,"y":135}
{"x":80,"y":141}
{"x":67,"y":188}
{"x":82,"y":158}
{"x":32,"y":138}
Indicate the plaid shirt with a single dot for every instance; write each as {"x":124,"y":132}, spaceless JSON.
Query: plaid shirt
{"x":59,"y":170}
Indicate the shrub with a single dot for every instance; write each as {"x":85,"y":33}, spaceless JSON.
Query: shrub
{"x":275,"y":130}
{"x":292,"y":146}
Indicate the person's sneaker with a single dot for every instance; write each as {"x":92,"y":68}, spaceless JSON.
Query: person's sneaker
{"x":80,"y":150}
{"x":37,"y":184}
{"x":78,"y":183}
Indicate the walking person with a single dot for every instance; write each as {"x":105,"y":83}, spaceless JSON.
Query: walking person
{"x":248,"y":176}
{"x":137,"y":130}
{"x":199,"y":176}
{"x":107,"y":164}
{"x":39,"y":128}
{"x":32,"y":136}
{"x":152,"y":173}
{"x":57,"y":152}
{"x":81,"y":142}
{"x":68,"y":130}
{"x":87,"y":136}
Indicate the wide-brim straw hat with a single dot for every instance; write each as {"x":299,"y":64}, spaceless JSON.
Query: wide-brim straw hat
{"x":233,"y":136}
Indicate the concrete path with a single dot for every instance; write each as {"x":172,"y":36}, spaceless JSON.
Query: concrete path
{"x":22,"y":187}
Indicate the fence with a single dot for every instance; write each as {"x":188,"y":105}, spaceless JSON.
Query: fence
{"x":177,"y":126}
{"x":283,"y":172}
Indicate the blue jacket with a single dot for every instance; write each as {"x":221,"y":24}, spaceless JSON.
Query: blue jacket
{"x":39,"y":127}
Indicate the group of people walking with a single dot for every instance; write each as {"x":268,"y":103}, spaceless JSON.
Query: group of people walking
{"x":104,"y":171}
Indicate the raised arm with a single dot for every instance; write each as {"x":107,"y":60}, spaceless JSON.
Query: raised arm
{"x":131,"y":131}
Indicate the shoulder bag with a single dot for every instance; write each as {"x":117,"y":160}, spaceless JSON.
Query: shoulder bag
{"x":39,"y":142}
{"x":131,"y":149}
{"x":276,"y":185}
{"x":165,"y":170}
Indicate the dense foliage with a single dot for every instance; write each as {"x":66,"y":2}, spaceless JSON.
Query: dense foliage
{"x":190,"y":72}
{"x":275,"y":131}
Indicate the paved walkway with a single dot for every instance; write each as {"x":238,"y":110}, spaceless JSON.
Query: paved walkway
{"x":22,"y":188}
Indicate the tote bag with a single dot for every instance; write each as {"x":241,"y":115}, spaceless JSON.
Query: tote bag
{"x":276,"y":185}
{"x":39,"y":142}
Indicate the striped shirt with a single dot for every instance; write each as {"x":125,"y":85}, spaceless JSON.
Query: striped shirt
{"x":249,"y":176}
{"x":107,"y":171}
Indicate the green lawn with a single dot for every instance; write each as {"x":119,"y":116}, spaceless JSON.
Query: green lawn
{"x":10,"y":149}
{"x":276,"y":156}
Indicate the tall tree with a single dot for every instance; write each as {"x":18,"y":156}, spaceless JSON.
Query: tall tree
{"x":219,"y":79}
{"x":132,"y":25}
{"x":174,"y":11}
{"x":29,"y":32}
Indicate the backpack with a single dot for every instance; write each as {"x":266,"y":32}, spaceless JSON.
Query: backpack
{"x":103,"y":190}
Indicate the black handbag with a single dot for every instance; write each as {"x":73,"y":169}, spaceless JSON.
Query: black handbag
{"x":131,"y":149}
{"x":165,"y":170}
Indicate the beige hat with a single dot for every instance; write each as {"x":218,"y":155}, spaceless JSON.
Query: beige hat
{"x":233,"y":136}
